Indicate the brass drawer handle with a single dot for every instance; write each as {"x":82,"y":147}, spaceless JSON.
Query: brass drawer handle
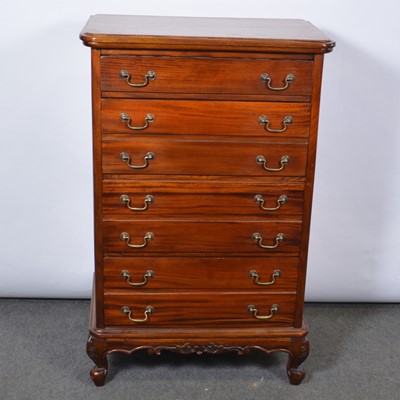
{"x":147,"y":311}
{"x":124,"y":117}
{"x":124,"y":236}
{"x":273,"y":310}
{"x":151,"y":75}
{"x":263,"y":120}
{"x":254,"y":275}
{"x":127,"y":158}
{"x":258,"y":198}
{"x":147,"y":200}
{"x":263,"y":161}
{"x":127,"y":277}
{"x":288,"y":80}
{"x":258,"y":238}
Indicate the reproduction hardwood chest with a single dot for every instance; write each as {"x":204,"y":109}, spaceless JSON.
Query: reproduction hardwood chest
{"x":204,"y":134}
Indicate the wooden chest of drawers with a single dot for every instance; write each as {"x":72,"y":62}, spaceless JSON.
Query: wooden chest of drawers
{"x":204,"y":135}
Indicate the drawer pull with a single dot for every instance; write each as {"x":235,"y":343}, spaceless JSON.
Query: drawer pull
{"x":288,"y":80}
{"x":147,"y":311}
{"x":254,"y":275}
{"x":124,"y":236}
{"x":147,"y":200}
{"x":273,"y":310}
{"x":151,"y":75}
{"x":258,"y":238}
{"x":258,"y":198}
{"x":127,"y":277}
{"x":263,"y":120}
{"x":127,"y":158}
{"x":263,"y":161}
{"x":124,"y":117}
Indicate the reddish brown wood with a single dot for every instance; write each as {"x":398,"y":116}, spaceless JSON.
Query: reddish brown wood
{"x":205,"y":75}
{"x":206,"y":200}
{"x":199,"y":308}
{"x":203,"y":157}
{"x":220,"y":273}
{"x":206,"y":98}
{"x":185,"y":117}
{"x":223,"y":34}
{"x":97,"y":185}
{"x":198,"y":236}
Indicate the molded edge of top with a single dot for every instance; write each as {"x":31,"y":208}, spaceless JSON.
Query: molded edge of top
{"x":198,"y":33}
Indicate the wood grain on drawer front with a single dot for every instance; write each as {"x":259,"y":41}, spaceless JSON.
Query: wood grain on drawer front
{"x":179,"y":273}
{"x":205,"y":75}
{"x":182,"y":236}
{"x":203,"y":157}
{"x":199,"y":308}
{"x":185,"y":117}
{"x":199,"y":199}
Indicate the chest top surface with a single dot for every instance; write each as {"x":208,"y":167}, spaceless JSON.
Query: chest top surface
{"x":235,"y":34}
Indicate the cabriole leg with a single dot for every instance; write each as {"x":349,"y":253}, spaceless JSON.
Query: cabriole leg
{"x":96,"y":350}
{"x":299,"y":352}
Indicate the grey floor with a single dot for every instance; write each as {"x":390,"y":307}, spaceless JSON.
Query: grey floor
{"x":355,"y":354}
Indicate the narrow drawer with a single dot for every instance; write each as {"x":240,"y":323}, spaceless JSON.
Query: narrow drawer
{"x":180,"y":236}
{"x":183,"y":117}
{"x":203,"y":157}
{"x":127,"y":199}
{"x":143,"y":274}
{"x":206,"y":308}
{"x":205,"y":75}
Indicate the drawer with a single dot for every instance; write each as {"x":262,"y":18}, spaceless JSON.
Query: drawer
{"x":128,"y":199}
{"x":203,"y":157}
{"x":142,"y":274}
{"x":177,"y":236}
{"x":185,"y":117}
{"x":205,"y":308}
{"x":204,"y":75}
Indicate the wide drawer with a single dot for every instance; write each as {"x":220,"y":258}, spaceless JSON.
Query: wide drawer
{"x":142,"y":274}
{"x":205,"y":308}
{"x":154,"y":236}
{"x":205,"y":75}
{"x":203,"y":157}
{"x":183,"y":117}
{"x":127,"y":199}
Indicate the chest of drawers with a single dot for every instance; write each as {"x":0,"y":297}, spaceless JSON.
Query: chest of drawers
{"x":204,"y":138}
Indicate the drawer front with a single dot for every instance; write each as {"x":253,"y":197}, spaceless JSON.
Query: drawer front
{"x":203,"y":157}
{"x":201,"y":237}
{"x":206,"y":308}
{"x":143,"y":274}
{"x":184,"y":117}
{"x":204,"y":75}
{"x":127,"y":199}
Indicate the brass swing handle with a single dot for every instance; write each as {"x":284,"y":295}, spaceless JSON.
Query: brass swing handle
{"x":151,"y":75}
{"x":127,"y":158}
{"x":147,"y":311}
{"x":259,"y":239}
{"x":288,"y":80}
{"x":273,"y":310}
{"x":124,"y":117}
{"x":258,"y":198}
{"x":263,"y":120}
{"x":263,"y":161}
{"x":127,"y":277}
{"x":254,"y":275}
{"x":127,"y":201}
{"x":124,"y":236}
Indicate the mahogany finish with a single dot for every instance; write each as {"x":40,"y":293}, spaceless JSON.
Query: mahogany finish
{"x":180,"y":273}
{"x":237,"y":118}
{"x":205,"y":200}
{"x":204,"y":74}
{"x":199,"y":247}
